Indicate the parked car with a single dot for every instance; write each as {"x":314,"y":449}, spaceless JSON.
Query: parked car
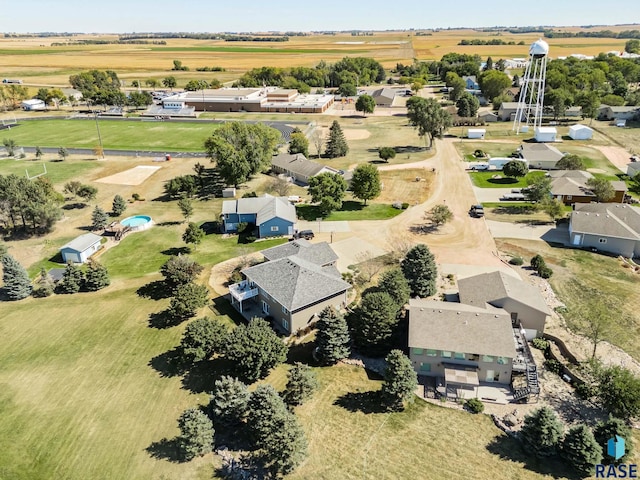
{"x":306,"y":234}
{"x":476,"y":211}
{"x":511,"y":197}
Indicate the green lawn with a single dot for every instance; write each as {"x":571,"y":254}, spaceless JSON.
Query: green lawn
{"x":486,"y":180}
{"x":116,"y":134}
{"x":57,"y":172}
{"x":351,"y":210}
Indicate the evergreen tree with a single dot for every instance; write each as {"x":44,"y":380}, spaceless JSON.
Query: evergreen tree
{"x":72,"y":279}
{"x":266,"y":411}
{"x":301,"y":384}
{"x":193,"y":234}
{"x":202,"y":338}
{"x":196,"y":433}
{"x":229,"y":401}
{"x":581,"y":450}
{"x":332,"y":340}
{"x":609,"y":429}
{"x":395,"y":284}
{"x":419,"y":268}
{"x":119,"y":206}
{"x":187,"y":300}
{"x":365,"y":183}
{"x":542,"y":431}
{"x":45,"y":284}
{"x":337,"y":143}
{"x":186,"y":207}
{"x":15,"y":278}
{"x":180,"y":269}
{"x":99,"y":218}
{"x":373,"y":321}
{"x":400,"y":381}
{"x":254,"y":349}
{"x":96,"y":277}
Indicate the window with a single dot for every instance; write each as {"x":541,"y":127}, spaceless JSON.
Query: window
{"x":569,"y":197}
{"x":602,"y":240}
{"x":474,"y":357}
{"x":417,"y":351}
{"x":284,"y":310}
{"x":487,"y":358}
{"x":458,"y":356}
{"x":431,"y":353}
{"x":502,"y":361}
{"x":285,"y":324}
{"x":265,"y":307}
{"x":425,"y":367}
{"x":275,"y":228}
{"x":446,"y":354}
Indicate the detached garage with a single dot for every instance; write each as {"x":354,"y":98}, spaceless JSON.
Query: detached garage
{"x":580,"y":132}
{"x":81,"y":248}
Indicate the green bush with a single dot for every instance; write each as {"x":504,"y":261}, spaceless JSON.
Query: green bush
{"x":553,"y":366}
{"x":249,"y":239}
{"x":405,"y":205}
{"x":135,"y":196}
{"x":242,"y":226}
{"x":540,"y":343}
{"x":586,"y":390}
{"x":537,"y":262}
{"x":474,"y":405}
{"x":545,"y":272}
{"x":516,"y":261}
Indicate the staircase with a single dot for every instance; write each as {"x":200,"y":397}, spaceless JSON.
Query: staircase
{"x":521,"y":394}
{"x":532,"y":379}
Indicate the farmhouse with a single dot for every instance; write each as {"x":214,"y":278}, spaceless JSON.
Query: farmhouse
{"x":540,"y":155}
{"x":72,"y":93}
{"x":613,"y":228}
{"x":471,"y":82}
{"x":265,"y":99}
{"x":273,"y":216}
{"x":81,"y":248}
{"x":580,"y":132}
{"x":384,"y":97}
{"x":497,"y":290}
{"x":33,"y":104}
{"x":297,"y":281}
{"x":570,"y":186}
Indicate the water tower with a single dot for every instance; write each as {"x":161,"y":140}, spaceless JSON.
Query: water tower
{"x":531,"y":101}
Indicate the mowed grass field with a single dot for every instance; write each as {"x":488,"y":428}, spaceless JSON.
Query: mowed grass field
{"x":116,"y":134}
{"x":39,"y":63}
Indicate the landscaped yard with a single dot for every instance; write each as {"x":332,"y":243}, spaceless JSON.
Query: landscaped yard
{"x":351,"y":210}
{"x":496,"y":179}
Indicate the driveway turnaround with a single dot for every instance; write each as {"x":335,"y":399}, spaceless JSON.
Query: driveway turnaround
{"x":525,"y":231}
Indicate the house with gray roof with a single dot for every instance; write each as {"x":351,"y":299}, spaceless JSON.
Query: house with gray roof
{"x":624,"y":112}
{"x":81,"y":248}
{"x":272,"y":216}
{"x":295,"y":283}
{"x":540,"y":155}
{"x":498,"y":290}
{"x":450,"y":335}
{"x":570,"y":187}
{"x":299,"y":168}
{"x":384,"y":97}
{"x":613,"y":228}
{"x":507,"y":111}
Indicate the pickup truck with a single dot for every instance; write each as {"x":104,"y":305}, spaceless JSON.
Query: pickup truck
{"x":476,"y":211}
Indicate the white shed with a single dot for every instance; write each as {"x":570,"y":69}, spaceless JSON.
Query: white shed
{"x":81,"y":248}
{"x":580,"y":132}
{"x":546,"y":134}
{"x":33,"y":104}
{"x":476,"y":133}
{"x":228,"y":192}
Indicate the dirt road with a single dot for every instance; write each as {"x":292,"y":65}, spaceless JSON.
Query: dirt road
{"x":463,"y":240}
{"x":616,"y":155}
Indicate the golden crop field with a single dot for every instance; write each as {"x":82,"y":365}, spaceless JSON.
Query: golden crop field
{"x":39,"y":63}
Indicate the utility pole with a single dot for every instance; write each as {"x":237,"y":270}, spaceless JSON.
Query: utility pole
{"x":95,"y":115}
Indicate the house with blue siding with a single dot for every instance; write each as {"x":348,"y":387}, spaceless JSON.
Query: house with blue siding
{"x":272,"y":216}
{"x":471,"y":82}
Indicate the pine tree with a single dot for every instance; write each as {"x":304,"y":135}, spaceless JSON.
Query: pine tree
{"x":337,"y":143}
{"x":196,"y":433}
{"x":45,"y":284}
{"x":581,"y":450}
{"x":15,"y":278}
{"x":373,"y":321}
{"x":301,"y":384}
{"x":96,"y":277}
{"x":542,"y":431}
{"x":186,"y":207}
{"x":400,"y":380}
{"x":193,"y":234}
{"x":187,"y":300}
{"x":72,"y":279}
{"x":332,"y":340}
{"x":395,"y":284}
{"x":119,"y":206}
{"x":229,"y":401}
{"x":419,"y":268}
{"x":99,"y":218}
{"x":603,"y":431}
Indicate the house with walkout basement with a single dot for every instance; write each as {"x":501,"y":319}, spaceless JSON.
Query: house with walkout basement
{"x":295,"y":283}
{"x":570,"y":187}
{"x":272,"y":216}
{"x":609,"y":227}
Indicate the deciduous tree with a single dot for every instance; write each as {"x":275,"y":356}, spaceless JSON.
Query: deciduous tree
{"x":468,"y":105}
{"x":439,"y":215}
{"x":169,"y":82}
{"x":186,"y":207}
{"x":333,"y":342}
{"x":493,"y":83}
{"x":419,"y":268}
{"x":515,"y":169}
{"x":15,"y":279}
{"x":87,"y":193}
{"x":63,"y":153}
{"x":552,"y":207}
{"x":428,"y":117}
{"x":337,"y":143}
{"x":328,"y":189}
{"x":255,"y":349}
{"x":365,"y":104}
{"x":538,"y":190}
{"x":179,"y":270}
{"x":196,"y":433}
{"x":365,"y":183}
{"x":193,"y":234}
{"x":301,"y":383}
{"x":299,"y":143}
{"x":386,"y":153}
{"x":619,"y":392}
{"x":570,"y":161}
{"x":601,"y":188}
{"x":400,"y":381}
{"x":202,"y":338}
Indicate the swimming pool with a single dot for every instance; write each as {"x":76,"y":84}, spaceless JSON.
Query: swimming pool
{"x":137,"y":222}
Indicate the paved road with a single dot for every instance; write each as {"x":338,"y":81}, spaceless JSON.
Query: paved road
{"x":490,"y":194}
{"x":525,"y":231}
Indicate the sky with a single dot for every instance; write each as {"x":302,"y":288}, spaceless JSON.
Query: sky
{"x":122,"y":16}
